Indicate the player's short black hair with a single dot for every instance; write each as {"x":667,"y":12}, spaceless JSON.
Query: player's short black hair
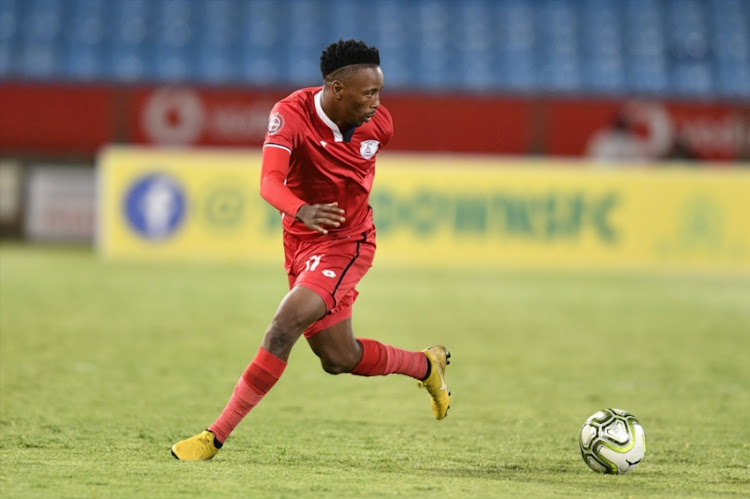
{"x":346,"y":53}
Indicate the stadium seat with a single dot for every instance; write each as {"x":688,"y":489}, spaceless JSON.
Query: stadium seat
{"x":685,"y":27}
{"x":310,"y":34}
{"x":10,"y":22}
{"x":6,"y":60}
{"x":218,"y":42}
{"x":43,"y":21}
{"x":127,"y":49}
{"x":558,"y":48}
{"x":393,"y":34}
{"x":38,"y":50}
{"x":689,"y":48}
{"x":173,"y":40}
{"x":692,"y":79}
{"x":473,"y":49}
{"x":10,"y":27}
{"x":734,"y":80}
{"x":83,"y":40}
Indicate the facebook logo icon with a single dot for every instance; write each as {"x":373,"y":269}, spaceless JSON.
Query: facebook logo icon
{"x":155,"y":206}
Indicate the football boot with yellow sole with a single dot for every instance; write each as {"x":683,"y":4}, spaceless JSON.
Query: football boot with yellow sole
{"x":439,"y":358}
{"x":201,"y":447}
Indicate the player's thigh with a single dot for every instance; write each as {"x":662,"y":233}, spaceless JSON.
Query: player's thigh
{"x":334,"y":269}
{"x":299,"y":309}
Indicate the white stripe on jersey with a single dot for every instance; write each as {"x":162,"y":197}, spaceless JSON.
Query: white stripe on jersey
{"x":279,"y":146}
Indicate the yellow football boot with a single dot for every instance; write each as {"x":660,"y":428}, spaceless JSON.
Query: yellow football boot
{"x":201,"y":447}
{"x":439,"y":358}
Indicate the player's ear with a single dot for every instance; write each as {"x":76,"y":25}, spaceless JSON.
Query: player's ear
{"x":337,"y":88}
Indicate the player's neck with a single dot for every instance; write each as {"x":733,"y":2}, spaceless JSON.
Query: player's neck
{"x":328,"y":105}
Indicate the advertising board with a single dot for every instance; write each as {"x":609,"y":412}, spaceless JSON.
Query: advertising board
{"x":437,"y":211}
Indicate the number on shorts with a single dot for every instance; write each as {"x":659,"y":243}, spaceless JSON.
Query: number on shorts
{"x":313,"y":262}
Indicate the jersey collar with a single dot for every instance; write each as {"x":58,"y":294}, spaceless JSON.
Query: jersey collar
{"x":337,"y":135}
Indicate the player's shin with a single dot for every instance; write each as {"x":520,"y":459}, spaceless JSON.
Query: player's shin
{"x":257,"y":380}
{"x":379,"y":359}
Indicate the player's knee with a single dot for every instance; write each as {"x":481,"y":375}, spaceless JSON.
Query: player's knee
{"x":339,"y":364}
{"x":332,"y":367}
{"x":280,"y":337}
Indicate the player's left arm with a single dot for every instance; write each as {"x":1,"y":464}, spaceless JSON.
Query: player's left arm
{"x":273,"y":172}
{"x":273,"y":188}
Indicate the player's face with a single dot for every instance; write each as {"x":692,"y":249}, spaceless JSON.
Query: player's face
{"x":360,"y":98}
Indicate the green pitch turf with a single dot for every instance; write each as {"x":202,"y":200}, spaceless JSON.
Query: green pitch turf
{"x":104,"y":366}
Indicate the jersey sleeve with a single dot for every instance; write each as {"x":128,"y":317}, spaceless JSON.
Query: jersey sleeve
{"x":283,"y":126}
{"x":273,"y":172}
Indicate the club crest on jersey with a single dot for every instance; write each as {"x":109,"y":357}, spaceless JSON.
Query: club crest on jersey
{"x":275,"y":123}
{"x":369,"y":148}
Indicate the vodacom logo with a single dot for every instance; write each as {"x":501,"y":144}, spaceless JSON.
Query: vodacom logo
{"x":173,"y":116}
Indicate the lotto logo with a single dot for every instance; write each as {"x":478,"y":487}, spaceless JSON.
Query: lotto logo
{"x":313,"y":263}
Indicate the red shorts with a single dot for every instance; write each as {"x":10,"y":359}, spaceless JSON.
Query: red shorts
{"x":331,"y":269}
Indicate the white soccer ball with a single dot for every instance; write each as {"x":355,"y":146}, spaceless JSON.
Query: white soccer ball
{"x":612,"y":441}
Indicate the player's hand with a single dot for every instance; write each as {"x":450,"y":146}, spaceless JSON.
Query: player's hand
{"x":319,"y":216}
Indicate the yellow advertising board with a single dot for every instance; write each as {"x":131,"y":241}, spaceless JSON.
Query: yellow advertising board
{"x":161,"y":204}
{"x":438,"y":211}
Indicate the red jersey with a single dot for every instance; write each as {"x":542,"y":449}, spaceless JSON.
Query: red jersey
{"x":325,"y":165}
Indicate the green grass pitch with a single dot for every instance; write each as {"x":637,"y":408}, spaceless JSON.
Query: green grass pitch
{"x":104,"y":366}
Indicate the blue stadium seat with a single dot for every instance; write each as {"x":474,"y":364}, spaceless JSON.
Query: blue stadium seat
{"x":648,"y":76}
{"x":263,"y":43}
{"x":217,"y":23}
{"x":174,"y":40}
{"x":435,"y":53}
{"x":10,"y":27}
{"x":604,"y":75}
{"x":603,"y":67}
{"x":690,"y":48}
{"x":398,"y":68}
{"x":734,"y":80}
{"x":519,"y":73}
{"x":352,"y":19}
{"x":558,"y":48}
{"x":7,"y":53}
{"x":394,"y":36}
{"x":128,"y":49}
{"x":38,"y":50}
{"x":730,"y":24}
{"x":84,"y":38}
{"x":10,"y":22}
{"x":218,"y":42}
{"x":310,"y":33}
{"x":474,"y":55}
{"x":39,"y":60}
{"x":43,"y":21}
{"x":693,"y":79}
{"x":516,"y":42}
{"x":686,"y":32}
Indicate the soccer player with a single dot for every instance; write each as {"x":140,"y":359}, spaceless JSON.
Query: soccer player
{"x":317,"y":170}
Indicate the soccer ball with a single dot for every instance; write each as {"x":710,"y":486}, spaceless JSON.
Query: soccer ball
{"x":612,"y":441}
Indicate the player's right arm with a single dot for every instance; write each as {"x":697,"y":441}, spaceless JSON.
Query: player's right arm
{"x":273,"y":188}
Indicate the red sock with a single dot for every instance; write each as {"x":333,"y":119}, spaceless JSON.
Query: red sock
{"x":379,"y":359}
{"x":259,"y":377}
